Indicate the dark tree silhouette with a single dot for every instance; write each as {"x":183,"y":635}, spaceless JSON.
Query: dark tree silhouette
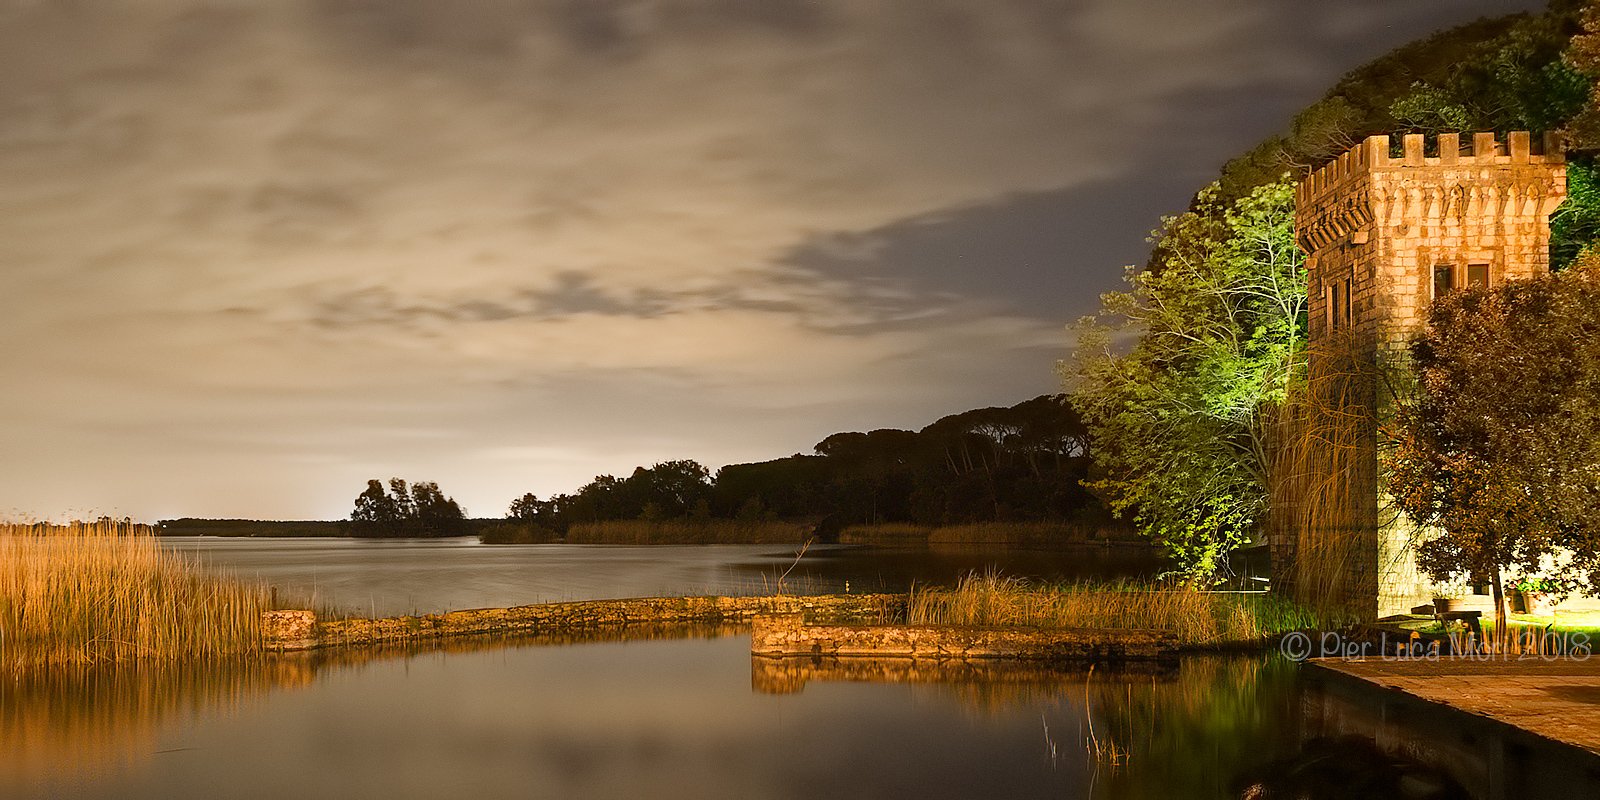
{"x":418,"y":510}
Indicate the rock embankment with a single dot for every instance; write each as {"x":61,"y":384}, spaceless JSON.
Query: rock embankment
{"x":787,"y":634}
{"x":304,"y":630}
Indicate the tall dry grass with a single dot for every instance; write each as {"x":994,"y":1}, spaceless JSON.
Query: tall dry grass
{"x":1196,"y":618}
{"x":1323,"y":480}
{"x":683,"y":531}
{"x":885,"y":533}
{"x":1040,"y":534}
{"x":107,"y":591}
{"x":1008,"y":534}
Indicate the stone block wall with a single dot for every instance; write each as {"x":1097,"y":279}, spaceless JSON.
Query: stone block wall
{"x":788,"y":635}
{"x":303,"y":630}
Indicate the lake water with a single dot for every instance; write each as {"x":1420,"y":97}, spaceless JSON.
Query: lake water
{"x":665,"y":718}
{"x":691,"y":714}
{"x":687,"y":712}
{"x":402,"y":576}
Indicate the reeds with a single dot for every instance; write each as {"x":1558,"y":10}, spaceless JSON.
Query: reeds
{"x":1323,"y":480}
{"x":688,"y":531}
{"x":1042,"y":534}
{"x":95,"y":592}
{"x":1196,"y":618}
{"x":1100,"y":749}
{"x":1011,"y":534}
{"x":886,"y":533}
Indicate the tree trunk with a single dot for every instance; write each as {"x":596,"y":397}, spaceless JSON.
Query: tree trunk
{"x":1500,"y":630}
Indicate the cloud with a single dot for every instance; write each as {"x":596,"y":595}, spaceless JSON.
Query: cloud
{"x":270,"y":247}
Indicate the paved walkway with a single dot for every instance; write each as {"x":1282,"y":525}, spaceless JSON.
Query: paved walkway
{"x":1558,"y":700}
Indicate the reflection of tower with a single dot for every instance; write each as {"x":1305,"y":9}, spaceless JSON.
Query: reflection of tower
{"x":1385,"y":231}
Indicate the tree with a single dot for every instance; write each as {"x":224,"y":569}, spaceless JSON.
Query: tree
{"x":524,"y":508}
{"x":420,"y":509}
{"x":1429,"y":109}
{"x":434,"y":513}
{"x":400,"y":497}
{"x":1575,"y":226}
{"x":1023,"y":462}
{"x":375,"y":510}
{"x":673,"y":487}
{"x":1324,"y":129}
{"x":1498,"y":455}
{"x":1182,"y":422}
{"x":1583,"y":56}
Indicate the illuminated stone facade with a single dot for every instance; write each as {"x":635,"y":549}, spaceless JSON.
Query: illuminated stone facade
{"x":1386,"y":228}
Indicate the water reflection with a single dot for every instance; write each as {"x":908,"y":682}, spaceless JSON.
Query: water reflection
{"x":685,"y":711}
{"x":60,"y":724}
{"x":666,"y":712}
{"x":60,"y":727}
{"x":1139,"y":731}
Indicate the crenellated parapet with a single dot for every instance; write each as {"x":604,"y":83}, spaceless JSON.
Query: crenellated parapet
{"x":1390,"y":183}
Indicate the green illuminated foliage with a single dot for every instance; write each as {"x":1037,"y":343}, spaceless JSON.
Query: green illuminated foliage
{"x":1181,"y":422}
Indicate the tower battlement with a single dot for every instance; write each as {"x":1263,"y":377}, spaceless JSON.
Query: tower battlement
{"x":1481,"y":177}
{"x":1410,"y":150}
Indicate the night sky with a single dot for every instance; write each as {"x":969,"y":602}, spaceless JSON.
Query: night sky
{"x":254,"y":253}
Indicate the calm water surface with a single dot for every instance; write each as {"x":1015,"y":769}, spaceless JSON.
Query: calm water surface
{"x":402,"y":576}
{"x":686,"y":712}
{"x":666,"y":718}
{"x":690,"y":714}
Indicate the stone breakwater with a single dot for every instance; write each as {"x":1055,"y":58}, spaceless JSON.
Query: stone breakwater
{"x":304,"y":630}
{"x":787,"y":634}
{"x":832,"y":626}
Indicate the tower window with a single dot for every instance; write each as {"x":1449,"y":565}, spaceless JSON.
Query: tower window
{"x":1444,"y":280}
{"x":1477,"y":275}
{"x":1338,"y":305}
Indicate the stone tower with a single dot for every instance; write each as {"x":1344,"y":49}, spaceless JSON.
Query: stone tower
{"x":1385,"y":230}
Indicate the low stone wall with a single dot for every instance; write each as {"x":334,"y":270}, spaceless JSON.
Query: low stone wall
{"x":303,"y":630}
{"x":787,"y":634}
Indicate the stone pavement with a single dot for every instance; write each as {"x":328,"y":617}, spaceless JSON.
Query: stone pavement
{"x":1557,"y":699}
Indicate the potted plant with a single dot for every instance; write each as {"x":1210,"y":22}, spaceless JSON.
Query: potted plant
{"x":1536,"y":596}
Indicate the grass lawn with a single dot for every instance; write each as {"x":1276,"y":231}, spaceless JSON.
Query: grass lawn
{"x":1564,"y":622}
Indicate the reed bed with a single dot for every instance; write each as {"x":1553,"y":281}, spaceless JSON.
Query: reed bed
{"x":1040,"y":534}
{"x":1197,"y":618}
{"x":1008,"y":534}
{"x":885,"y":533}
{"x":688,"y":531}
{"x":97,"y":592}
{"x":1323,"y":481}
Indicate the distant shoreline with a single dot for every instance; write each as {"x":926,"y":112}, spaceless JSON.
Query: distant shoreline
{"x":1014,"y":536}
{"x":290,"y":529}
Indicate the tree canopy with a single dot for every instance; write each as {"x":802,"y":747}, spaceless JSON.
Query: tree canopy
{"x":418,"y":510}
{"x":1499,"y":454}
{"x":1181,"y":421}
{"x":1020,"y":462}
